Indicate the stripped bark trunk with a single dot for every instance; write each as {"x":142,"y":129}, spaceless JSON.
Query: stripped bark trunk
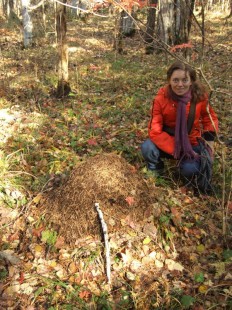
{"x":27,"y":24}
{"x":174,"y":21}
{"x":63,"y":87}
{"x":125,"y":27}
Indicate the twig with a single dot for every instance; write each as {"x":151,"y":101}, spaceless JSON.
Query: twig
{"x":107,"y":247}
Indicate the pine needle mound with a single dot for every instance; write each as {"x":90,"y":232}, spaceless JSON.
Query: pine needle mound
{"x":107,"y":179}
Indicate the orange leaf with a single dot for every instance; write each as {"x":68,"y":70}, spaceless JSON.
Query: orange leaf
{"x":130,"y":200}
{"x":176,"y":216}
{"x":37,"y":231}
{"x":84,"y":295}
{"x":13,"y":237}
{"x":59,"y":242}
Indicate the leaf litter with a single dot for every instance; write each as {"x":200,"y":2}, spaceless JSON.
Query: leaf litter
{"x":167,"y":247}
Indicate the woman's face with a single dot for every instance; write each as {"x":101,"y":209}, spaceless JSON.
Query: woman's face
{"x":180,"y":82}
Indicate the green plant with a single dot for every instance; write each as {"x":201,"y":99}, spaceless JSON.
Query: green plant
{"x":227,"y":255}
{"x":187,"y":301}
{"x":199,"y":277}
{"x":49,"y":237}
{"x":3,"y":273}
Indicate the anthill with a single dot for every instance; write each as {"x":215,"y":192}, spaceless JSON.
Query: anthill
{"x":107,"y":179}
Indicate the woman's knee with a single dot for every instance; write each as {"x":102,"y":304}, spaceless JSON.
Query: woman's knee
{"x":189,"y":168}
{"x":149,"y":150}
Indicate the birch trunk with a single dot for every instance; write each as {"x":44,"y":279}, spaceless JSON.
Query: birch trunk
{"x":27,"y":24}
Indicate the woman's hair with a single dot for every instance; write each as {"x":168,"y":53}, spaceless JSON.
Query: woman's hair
{"x":197,"y":89}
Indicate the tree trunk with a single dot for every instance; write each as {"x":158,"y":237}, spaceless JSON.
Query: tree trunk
{"x":27,"y":24}
{"x":125,"y":27}
{"x":166,"y":21}
{"x":63,"y":87}
{"x":174,"y":21}
{"x":150,"y":29}
{"x":183,"y":14}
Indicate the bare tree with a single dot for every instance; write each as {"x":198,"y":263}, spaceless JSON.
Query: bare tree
{"x":63,"y":87}
{"x":125,"y":27}
{"x":27,"y":24}
{"x":150,"y":27}
{"x":174,"y":21}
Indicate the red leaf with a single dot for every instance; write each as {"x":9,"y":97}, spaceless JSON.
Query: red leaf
{"x":181,"y":46}
{"x":130,"y":200}
{"x":21,"y":278}
{"x":92,"y":141}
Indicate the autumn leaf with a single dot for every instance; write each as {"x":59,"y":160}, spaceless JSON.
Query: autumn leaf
{"x":176,"y":216}
{"x":200,"y":248}
{"x":92,"y":141}
{"x":60,"y":242}
{"x":85,"y":295}
{"x":130,"y":200}
{"x":146,"y":240}
{"x":13,"y":237}
{"x":37,"y":231}
{"x":21,"y":278}
{"x":93,"y":67}
{"x":172,"y":265}
{"x":202,"y":289}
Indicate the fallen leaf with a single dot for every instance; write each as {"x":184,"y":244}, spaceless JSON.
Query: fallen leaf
{"x":21,"y":278}
{"x":130,"y":200}
{"x":176,"y":216}
{"x":202,"y":289}
{"x":132,"y":233}
{"x":92,"y":141}
{"x":37,"y":198}
{"x":37,"y":231}
{"x":149,"y":229}
{"x":200,"y":248}
{"x":85,"y":295}
{"x":159,"y":264}
{"x":146,"y":240}
{"x":60,"y":242}
{"x":172,"y":265}
{"x":126,"y":257}
{"x":135,"y":265}
{"x":13,"y":237}
{"x":38,"y":248}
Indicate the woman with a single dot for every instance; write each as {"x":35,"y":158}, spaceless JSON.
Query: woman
{"x":175,"y":129}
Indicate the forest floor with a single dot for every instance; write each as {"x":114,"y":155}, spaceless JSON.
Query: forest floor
{"x":53,"y":159}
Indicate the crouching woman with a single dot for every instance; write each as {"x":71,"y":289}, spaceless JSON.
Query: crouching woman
{"x":182,"y":126}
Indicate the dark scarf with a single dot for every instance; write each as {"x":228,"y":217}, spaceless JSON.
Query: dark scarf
{"x":183,"y":148}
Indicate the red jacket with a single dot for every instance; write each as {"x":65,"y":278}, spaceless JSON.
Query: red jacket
{"x":164,"y":112}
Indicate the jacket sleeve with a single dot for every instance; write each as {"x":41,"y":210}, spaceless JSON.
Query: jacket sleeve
{"x":209,"y":122}
{"x":161,"y":139}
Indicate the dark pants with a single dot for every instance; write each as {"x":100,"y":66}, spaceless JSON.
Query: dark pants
{"x":152,"y":155}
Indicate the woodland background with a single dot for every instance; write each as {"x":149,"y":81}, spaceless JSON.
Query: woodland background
{"x":75,"y":84}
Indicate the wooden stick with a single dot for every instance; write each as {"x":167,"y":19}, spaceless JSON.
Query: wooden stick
{"x":107,"y":246}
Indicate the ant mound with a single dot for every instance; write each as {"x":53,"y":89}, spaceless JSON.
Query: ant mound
{"x":107,"y":179}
